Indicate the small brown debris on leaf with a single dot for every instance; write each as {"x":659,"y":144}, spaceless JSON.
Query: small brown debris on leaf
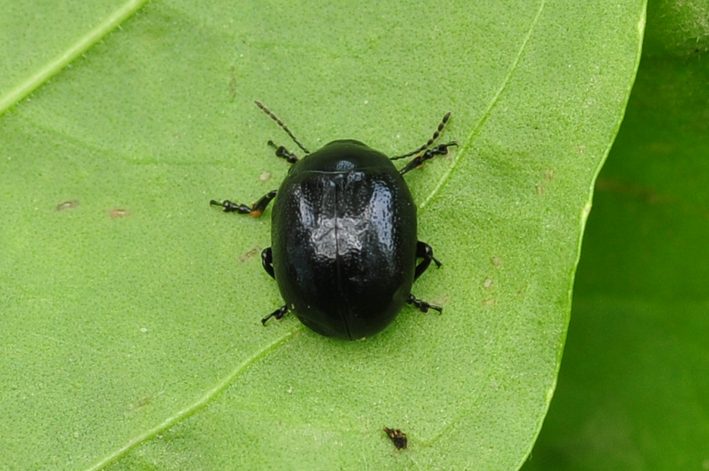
{"x":63,"y":206}
{"x":119,"y":213}
{"x":397,"y":437}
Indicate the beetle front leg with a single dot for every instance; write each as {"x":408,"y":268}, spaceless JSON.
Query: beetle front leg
{"x":423,"y":306}
{"x":418,"y":161}
{"x":424,"y":251}
{"x":278,"y":314}
{"x":284,"y":153}
{"x":255,"y":210}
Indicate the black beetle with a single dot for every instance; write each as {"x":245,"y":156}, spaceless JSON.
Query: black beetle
{"x":344,"y":243}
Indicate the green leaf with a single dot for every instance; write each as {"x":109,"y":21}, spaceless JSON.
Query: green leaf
{"x":130,"y":327}
{"x":633,"y":387}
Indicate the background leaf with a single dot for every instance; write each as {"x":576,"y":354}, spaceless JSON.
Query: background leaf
{"x":131,"y":309}
{"x":632,"y":389}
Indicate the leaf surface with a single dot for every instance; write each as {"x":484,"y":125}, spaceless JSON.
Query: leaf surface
{"x":131,"y":335}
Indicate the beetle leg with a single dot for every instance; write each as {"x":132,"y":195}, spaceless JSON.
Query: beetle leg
{"x":424,"y":251}
{"x":430,"y":141}
{"x":416,"y":162}
{"x":267,"y":261}
{"x":422,"y":306}
{"x":278,"y":314}
{"x":255,"y":210}
{"x":283,"y":152}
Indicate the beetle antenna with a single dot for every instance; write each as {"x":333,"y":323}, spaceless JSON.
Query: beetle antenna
{"x":282,"y":125}
{"x":430,"y":141}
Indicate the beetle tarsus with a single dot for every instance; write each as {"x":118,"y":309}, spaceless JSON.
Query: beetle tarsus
{"x":423,"y":306}
{"x":278,"y":314}
{"x":256,"y":210}
{"x":230,"y":207}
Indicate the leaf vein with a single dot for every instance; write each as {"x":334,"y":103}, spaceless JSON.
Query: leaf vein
{"x":56,"y":65}
{"x":192,"y":408}
{"x":488,"y":111}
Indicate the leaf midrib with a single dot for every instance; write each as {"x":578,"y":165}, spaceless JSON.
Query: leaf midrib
{"x":488,"y":110}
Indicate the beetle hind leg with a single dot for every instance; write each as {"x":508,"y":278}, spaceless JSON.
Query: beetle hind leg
{"x":423,"y":306}
{"x":278,"y":314}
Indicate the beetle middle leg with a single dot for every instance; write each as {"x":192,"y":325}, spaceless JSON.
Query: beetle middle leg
{"x":255,"y":210}
{"x":267,"y":261}
{"x":424,"y":251}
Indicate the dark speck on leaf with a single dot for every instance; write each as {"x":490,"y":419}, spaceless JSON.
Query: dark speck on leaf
{"x":397,"y":437}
